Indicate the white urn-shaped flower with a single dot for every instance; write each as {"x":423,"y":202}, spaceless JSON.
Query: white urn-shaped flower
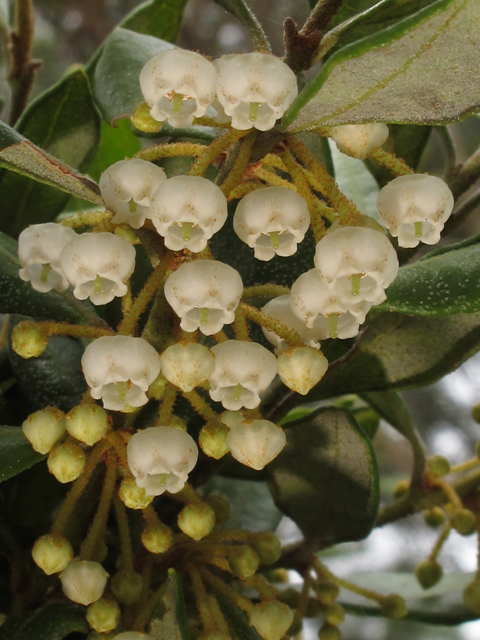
{"x":255,"y":89}
{"x":127,"y":188}
{"x":301,"y":368}
{"x":187,"y":365}
{"x":97,"y":265}
{"x":204,"y":294}
{"x":39,"y":249}
{"x":255,"y":443}
{"x":243,"y":370}
{"x":178,"y":85}
{"x":272,"y":221}
{"x":84,"y":581}
{"x":359,"y":140}
{"x":119,"y":370}
{"x":161,"y":458}
{"x":187,"y":211}
{"x":415,"y":208}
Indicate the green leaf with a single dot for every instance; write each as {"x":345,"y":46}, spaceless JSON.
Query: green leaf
{"x":53,"y":622}
{"x":17,"y":296}
{"x":244,"y":15}
{"x":159,"y":18}
{"x":394,"y":75}
{"x":328,"y":462}
{"x":237,"y":620}
{"x":116,"y":84}
{"x":16,"y":453}
{"x":169,"y":619}
{"x":64,"y":122}
{"x":116,"y":143}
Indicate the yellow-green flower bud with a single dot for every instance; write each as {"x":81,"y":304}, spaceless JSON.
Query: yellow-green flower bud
{"x":289,"y":596}
{"x":428,"y":573}
{"x":28,"y":340}
{"x":220,"y":506}
{"x":66,"y":462}
{"x":268,"y":547}
{"x":43,"y":429}
{"x":52,"y":553}
{"x":133,"y":496}
{"x":271,"y":619}
{"x":438,"y":465}
{"x":463,"y":521}
{"x":213,"y":440}
{"x":157,"y":538}
{"x":87,"y":423}
{"x":401,"y":488}
{"x":327,"y":592}
{"x":127,"y":586}
{"x":103,"y":615}
{"x":84,"y":581}
{"x":434,"y":517}
{"x":334,"y":614}
{"x":394,"y":607}
{"x":243,"y":561}
{"x":327,"y":632}
{"x":471,"y":596}
{"x":196,"y":520}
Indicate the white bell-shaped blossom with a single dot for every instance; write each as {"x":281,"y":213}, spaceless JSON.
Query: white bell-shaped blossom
{"x":97,"y":265}
{"x":321,"y":309}
{"x":119,"y":370}
{"x":39,"y":249}
{"x":359,"y":140}
{"x":204,"y":294}
{"x":178,"y":85}
{"x":83,"y":581}
{"x":358,"y":263}
{"x":415,"y":208}
{"x":161,"y":458}
{"x":255,"y":89}
{"x":187,"y":211}
{"x":301,"y":368}
{"x":127,"y":188}
{"x":243,"y":370}
{"x":272,"y":221}
{"x":255,"y":443}
{"x":187,"y":365}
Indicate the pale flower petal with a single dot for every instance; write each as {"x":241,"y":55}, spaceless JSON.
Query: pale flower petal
{"x":255,"y":443}
{"x":359,"y":140}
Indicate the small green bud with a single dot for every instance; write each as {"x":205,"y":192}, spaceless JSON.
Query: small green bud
{"x":243,"y":561}
{"x":196,"y":520}
{"x":464,"y":522}
{"x":438,"y":466}
{"x":289,"y":596}
{"x":434,"y":517}
{"x":394,"y":607}
{"x":133,"y":496}
{"x":401,"y":488}
{"x":471,"y":596}
{"x":428,"y":573}
{"x":327,"y":592}
{"x":87,"y":423}
{"x":213,"y":440}
{"x":52,"y":553}
{"x":220,"y":506}
{"x":314,"y":608}
{"x":271,"y":619}
{"x":43,"y":429}
{"x":268,"y":547}
{"x":327,"y":632}
{"x":103,"y":615}
{"x":157,"y":388}
{"x":66,"y":462}
{"x":3,"y":618}
{"x":334,"y":614}
{"x":476,"y":413}
{"x":127,"y":586}
{"x":157,"y":538}
{"x":28,"y":340}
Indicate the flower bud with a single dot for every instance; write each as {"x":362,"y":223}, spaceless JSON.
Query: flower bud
{"x":471,"y":596}
{"x":464,"y":522}
{"x":271,"y":619}
{"x":127,"y":586}
{"x":157,"y":388}
{"x":327,"y":592}
{"x":66,"y":462}
{"x":256,"y":443}
{"x":213,"y":440}
{"x":44,"y":428}
{"x":83,"y":581}
{"x":127,"y":188}
{"x":301,"y":368}
{"x":401,"y":488}
{"x":231,"y":418}
{"x":434,"y":517}
{"x":52,"y":553}
{"x":334,"y":614}
{"x":161,"y":458}
{"x":133,"y":496}
{"x":243,"y":561}
{"x":39,"y":248}
{"x":272,"y":221}
{"x":327,"y":632}
{"x":428,"y":573}
{"x":204,"y":294}
{"x":267,"y":546}
{"x":196,"y":520}
{"x":220,"y":506}
{"x":280,"y":308}
{"x":187,"y":365}
{"x":359,"y":140}
{"x":394,"y":607}
{"x":87,"y":423}
{"x":103,"y":615}
{"x":157,"y":538}
{"x":438,"y":466}
{"x":28,"y":340}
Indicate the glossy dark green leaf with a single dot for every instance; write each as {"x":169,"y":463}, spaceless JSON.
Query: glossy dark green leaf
{"x":116,"y":143}
{"x":16,"y":453}
{"x":116,"y":86}
{"x":159,"y":18}
{"x":394,"y":75}
{"x":169,"y":620}
{"x":17,"y":296}
{"x":53,"y":622}
{"x":326,"y":478}
{"x":244,"y":15}
{"x":54,"y":378}
{"x":63,"y":122}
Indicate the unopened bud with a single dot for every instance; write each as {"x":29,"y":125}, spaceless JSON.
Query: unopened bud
{"x":271,"y":619}
{"x":133,"y":496}
{"x":394,"y":607}
{"x":83,"y":582}
{"x":243,"y":561}
{"x":196,"y":520}
{"x":438,"y":465}
{"x":44,"y":428}
{"x":213,"y":440}
{"x":52,"y":553}
{"x":157,"y":538}
{"x":66,"y":462}
{"x":28,"y":340}
{"x":334,"y":614}
{"x":327,"y":632}
{"x":428,"y":573}
{"x":268,"y":547}
{"x":471,"y":596}
{"x":434,"y":517}
{"x":301,"y":368}
{"x":327,"y":592}
{"x":220,"y":506}
{"x":289,"y":596}
{"x":463,"y":521}
{"x":401,"y":488}
{"x":157,"y":388}
{"x":127,"y":586}
{"x":103,"y":615}
{"x":87,"y":423}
